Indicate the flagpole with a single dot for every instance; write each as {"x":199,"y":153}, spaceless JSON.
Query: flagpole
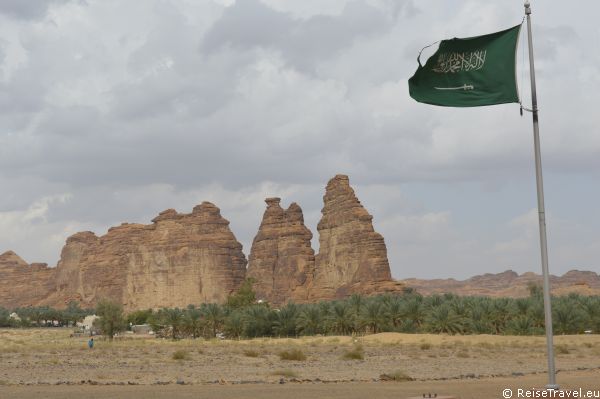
{"x":541,"y":211}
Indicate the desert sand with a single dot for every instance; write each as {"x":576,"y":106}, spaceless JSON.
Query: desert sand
{"x":49,"y":363}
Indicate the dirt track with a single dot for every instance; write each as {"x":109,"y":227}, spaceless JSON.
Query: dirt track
{"x":488,"y":388}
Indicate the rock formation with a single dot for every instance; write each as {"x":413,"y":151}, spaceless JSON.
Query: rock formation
{"x":282,"y":260}
{"x":509,"y":284}
{"x":194,"y":258}
{"x":178,"y":260}
{"x":352,"y":256}
{"x":22,"y":284}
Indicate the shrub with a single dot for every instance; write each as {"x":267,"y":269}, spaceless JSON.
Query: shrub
{"x":111,"y":319}
{"x":180,"y":355}
{"x":356,"y":353}
{"x":251,"y":353}
{"x":292,"y":354}
{"x":562,"y":349}
{"x":425,"y":346}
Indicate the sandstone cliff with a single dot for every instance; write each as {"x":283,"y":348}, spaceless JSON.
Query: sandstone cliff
{"x":177,"y":260}
{"x":281,"y":259}
{"x":181,"y":259}
{"x":352,"y":256}
{"x":22,"y":284}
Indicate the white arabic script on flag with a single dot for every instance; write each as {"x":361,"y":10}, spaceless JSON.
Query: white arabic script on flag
{"x":457,"y":62}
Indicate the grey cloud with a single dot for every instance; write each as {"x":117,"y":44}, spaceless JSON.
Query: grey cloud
{"x":303,"y":42}
{"x":27,"y":9}
{"x":166,"y":110}
{"x":548,"y":40}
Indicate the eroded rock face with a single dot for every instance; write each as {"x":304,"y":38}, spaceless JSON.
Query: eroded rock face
{"x":178,"y":260}
{"x":281,"y":258}
{"x":22,"y":284}
{"x":352,"y":256}
{"x":193,"y":258}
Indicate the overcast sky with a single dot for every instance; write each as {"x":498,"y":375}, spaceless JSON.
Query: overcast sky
{"x":113,"y":110}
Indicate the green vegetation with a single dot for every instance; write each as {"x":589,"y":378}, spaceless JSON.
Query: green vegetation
{"x":292,"y":354}
{"x":44,"y":316}
{"x":409,"y":312}
{"x":111,"y":319}
{"x":245,"y":295}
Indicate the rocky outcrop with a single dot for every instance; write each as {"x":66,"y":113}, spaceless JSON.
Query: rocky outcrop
{"x":194,"y":258}
{"x":178,"y":260}
{"x":22,"y":284}
{"x":509,"y":284}
{"x":352,"y":256}
{"x":281,"y":259}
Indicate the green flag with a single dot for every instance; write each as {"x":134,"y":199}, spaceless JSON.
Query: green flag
{"x":469,"y":72}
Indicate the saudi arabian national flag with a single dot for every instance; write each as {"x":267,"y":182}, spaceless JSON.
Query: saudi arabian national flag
{"x":469,"y":72}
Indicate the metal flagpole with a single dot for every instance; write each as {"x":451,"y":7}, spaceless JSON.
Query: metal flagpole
{"x":541,"y":212}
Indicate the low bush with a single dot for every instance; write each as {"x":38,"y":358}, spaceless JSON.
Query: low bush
{"x":251,"y":353}
{"x":180,"y":355}
{"x":292,"y":354}
{"x":356,"y":353}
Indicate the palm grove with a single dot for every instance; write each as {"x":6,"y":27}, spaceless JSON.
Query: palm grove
{"x":243,"y":317}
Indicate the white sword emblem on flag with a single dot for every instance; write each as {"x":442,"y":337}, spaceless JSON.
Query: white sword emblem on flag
{"x":463,"y":87}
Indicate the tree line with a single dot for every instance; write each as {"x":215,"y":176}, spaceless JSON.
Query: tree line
{"x":243,"y":317}
{"x":44,"y":316}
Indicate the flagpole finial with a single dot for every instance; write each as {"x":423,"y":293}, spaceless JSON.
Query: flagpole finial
{"x":527,"y":5}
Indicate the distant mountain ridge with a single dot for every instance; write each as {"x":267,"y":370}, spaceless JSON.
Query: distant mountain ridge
{"x":509,"y":284}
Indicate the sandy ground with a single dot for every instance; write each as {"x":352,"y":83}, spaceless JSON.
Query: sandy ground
{"x":48,"y":360}
{"x":487,"y":388}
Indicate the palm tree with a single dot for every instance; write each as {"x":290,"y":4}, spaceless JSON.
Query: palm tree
{"x":591,"y":306}
{"x":394,"y":311}
{"x":285,"y":320}
{"x":567,"y":319}
{"x":522,"y":325}
{"x":172,"y":318}
{"x":356,"y":302}
{"x":479,"y":320}
{"x":257,"y":321}
{"x":341,"y":318}
{"x":500,"y":314}
{"x":414,"y":311}
{"x":192,"y":321}
{"x":523,"y":305}
{"x":310,"y":320}
{"x":373,"y":316}
{"x":214,"y":317}
{"x":442,"y":319}
{"x":536,"y":312}
{"x":435,"y":301}
{"x":234,"y":324}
